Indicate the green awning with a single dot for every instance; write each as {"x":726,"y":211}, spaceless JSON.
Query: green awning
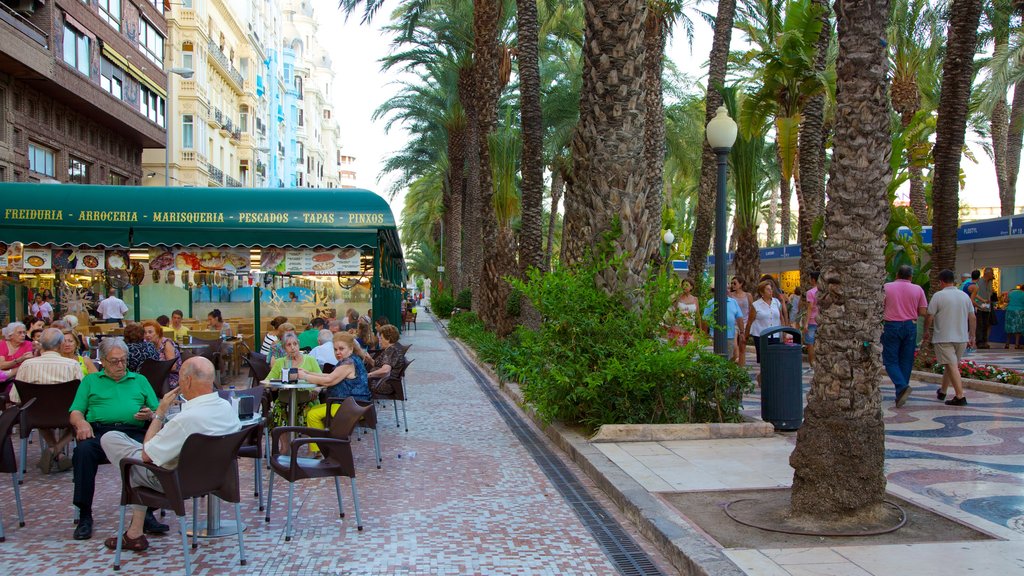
{"x":130,"y":216}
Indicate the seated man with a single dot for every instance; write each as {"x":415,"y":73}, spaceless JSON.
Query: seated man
{"x":112,"y":399}
{"x":204,"y":412}
{"x":324,"y":353}
{"x":308,"y":338}
{"x":50,"y":368}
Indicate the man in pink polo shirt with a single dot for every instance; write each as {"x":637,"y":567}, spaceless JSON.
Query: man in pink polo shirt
{"x":904,"y":302}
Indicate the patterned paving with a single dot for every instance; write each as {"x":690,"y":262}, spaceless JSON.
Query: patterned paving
{"x":457,"y":495}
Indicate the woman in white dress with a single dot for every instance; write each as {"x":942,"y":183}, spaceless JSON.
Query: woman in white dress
{"x":685,"y":314}
{"x":765,"y":313}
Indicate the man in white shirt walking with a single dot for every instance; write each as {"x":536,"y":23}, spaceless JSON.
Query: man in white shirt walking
{"x":204,"y":412}
{"x":952,"y":314}
{"x":112,"y":308}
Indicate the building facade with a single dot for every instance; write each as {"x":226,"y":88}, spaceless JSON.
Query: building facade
{"x":82,"y":89}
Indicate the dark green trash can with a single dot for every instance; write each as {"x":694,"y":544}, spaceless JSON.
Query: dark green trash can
{"x":782,"y":394}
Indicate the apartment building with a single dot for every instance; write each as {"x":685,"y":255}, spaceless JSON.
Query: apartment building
{"x":82,"y":89}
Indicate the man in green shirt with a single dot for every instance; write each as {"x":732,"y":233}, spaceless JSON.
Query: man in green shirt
{"x":112,"y":399}
{"x":310,"y":337}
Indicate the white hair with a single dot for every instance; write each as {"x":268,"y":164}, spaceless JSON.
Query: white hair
{"x":9,"y":330}
{"x":72,"y":320}
{"x":325,"y":336}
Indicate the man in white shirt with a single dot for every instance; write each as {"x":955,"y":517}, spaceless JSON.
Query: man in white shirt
{"x":41,"y":309}
{"x":112,"y":308}
{"x":952,"y":314}
{"x":50,"y":368}
{"x":204,"y":412}
{"x":324,"y":353}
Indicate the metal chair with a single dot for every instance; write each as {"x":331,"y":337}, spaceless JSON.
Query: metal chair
{"x":258,"y":367}
{"x":50,"y":410}
{"x":8,"y":464}
{"x":369,"y":420}
{"x":397,"y":394}
{"x":337,"y":461}
{"x":207,"y":466}
{"x":253,"y":445}
{"x":157,"y":371}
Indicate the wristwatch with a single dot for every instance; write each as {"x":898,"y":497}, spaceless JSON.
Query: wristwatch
{"x":162,"y":419}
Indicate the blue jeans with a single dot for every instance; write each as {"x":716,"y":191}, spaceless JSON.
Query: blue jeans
{"x":899,"y":339}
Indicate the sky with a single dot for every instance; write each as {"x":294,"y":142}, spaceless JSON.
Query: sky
{"x":360,"y":87}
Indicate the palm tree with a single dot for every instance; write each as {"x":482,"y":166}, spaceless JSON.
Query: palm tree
{"x":844,"y":403}
{"x":957,"y":77}
{"x":530,"y":241}
{"x":916,"y":46}
{"x":608,"y":147}
{"x":717,"y":64}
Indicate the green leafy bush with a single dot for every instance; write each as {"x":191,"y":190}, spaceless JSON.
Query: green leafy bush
{"x":598,"y":359}
{"x":442,"y":304}
{"x":464,"y":301}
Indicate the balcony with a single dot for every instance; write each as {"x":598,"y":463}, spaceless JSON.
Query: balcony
{"x":218,"y":116}
{"x":22,"y":24}
{"x":216,"y":174}
{"x":229,"y":125}
{"x":224,"y":64}
{"x":231,"y":182}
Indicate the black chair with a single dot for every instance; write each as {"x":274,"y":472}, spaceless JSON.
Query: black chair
{"x":253,"y":445}
{"x":51,"y":410}
{"x":212,"y":352}
{"x":8,"y":464}
{"x":258,"y":367}
{"x":207,"y":466}
{"x":337,"y":461}
{"x":369,"y":421}
{"x":397,"y":382}
{"x":157,"y":371}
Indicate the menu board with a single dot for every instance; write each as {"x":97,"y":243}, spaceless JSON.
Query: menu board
{"x":37,"y":259}
{"x":117,"y":259}
{"x":199,"y":259}
{"x":90,"y":260}
{"x":322,"y":261}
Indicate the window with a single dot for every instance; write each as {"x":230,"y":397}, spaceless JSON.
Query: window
{"x":298,"y":86}
{"x":151,"y":105}
{"x":151,"y":42}
{"x":110,"y":12}
{"x":186,"y":3}
{"x":76,"y":49}
{"x":187,"y":131}
{"x":3,"y":115}
{"x":327,"y":114}
{"x":243,"y":119}
{"x":187,"y":61}
{"x":78,"y":171}
{"x":112,"y":78}
{"x":117,"y":179}
{"x":158,"y":4}
{"x":302,"y":117}
{"x":40,"y":160}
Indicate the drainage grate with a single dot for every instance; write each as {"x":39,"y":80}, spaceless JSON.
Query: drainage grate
{"x":618,"y":545}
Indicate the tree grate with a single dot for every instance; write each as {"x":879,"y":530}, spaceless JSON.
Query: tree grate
{"x":623,"y":551}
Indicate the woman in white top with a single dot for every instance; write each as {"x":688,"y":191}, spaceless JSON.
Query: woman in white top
{"x":273,"y":335}
{"x":765,"y":313}
{"x":744,"y":300}
{"x":685,"y":315}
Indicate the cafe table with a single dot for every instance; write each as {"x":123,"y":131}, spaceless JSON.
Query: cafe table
{"x":292,"y":389}
{"x":215,"y":527}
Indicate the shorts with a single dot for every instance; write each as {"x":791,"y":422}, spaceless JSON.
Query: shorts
{"x":949,"y":352}
{"x":812,"y":331}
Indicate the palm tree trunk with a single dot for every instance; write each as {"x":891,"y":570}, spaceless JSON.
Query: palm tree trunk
{"x":950,"y":129}
{"x":1014,"y":141}
{"x":811,"y":186}
{"x":453,"y":207}
{"x":654,"y":135}
{"x":486,"y":61}
{"x":608,"y":146}
{"x":717,"y":64}
{"x":840,"y":453}
{"x":1000,"y":127}
{"x":785,"y":193}
{"x":773,"y":216}
{"x":918,"y":203}
{"x":557,"y":185}
{"x":747,"y":264}
{"x":532,"y":164}
{"x":472,"y":254}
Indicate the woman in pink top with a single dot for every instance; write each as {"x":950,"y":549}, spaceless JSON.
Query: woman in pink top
{"x":15,"y":348}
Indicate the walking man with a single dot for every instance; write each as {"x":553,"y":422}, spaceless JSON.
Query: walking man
{"x":811,"y":320}
{"x":112,"y":308}
{"x":904,"y":302}
{"x":981,"y":297}
{"x":952,"y":314}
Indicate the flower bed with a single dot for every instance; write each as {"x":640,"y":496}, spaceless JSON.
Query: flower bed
{"x":971,"y":369}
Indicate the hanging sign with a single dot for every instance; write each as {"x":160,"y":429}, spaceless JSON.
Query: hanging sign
{"x":323,"y":261}
{"x":199,"y":259}
{"x":37,"y":259}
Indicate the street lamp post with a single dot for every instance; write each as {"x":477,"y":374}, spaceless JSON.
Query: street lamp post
{"x":185,"y":73}
{"x":666,"y":250}
{"x":721,"y":134}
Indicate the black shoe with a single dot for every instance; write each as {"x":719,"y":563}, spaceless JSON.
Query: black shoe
{"x":957,"y":401}
{"x":940,"y":394}
{"x":154,"y":526}
{"x":901,"y":398}
{"x":84,"y":529}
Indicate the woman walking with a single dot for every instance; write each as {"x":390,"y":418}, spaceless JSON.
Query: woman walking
{"x":744,"y":300}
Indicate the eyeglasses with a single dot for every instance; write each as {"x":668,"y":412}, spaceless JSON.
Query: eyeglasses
{"x":115,"y":361}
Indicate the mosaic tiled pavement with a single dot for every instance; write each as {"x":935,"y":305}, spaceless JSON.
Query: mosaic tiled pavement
{"x":457,"y":494}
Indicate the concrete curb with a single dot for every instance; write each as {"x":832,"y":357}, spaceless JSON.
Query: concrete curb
{"x":669,"y":432}
{"x":684,"y":546}
{"x":981,"y":385}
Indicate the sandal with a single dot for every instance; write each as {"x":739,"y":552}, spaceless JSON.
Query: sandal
{"x":134,"y":544}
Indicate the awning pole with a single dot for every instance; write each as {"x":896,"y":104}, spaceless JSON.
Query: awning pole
{"x":12,"y":300}
{"x":256,"y":340}
{"x":137,"y":302}
{"x":56,"y":295}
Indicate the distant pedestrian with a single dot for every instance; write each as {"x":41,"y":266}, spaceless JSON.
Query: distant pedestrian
{"x":952,"y":314}
{"x":811,"y":319}
{"x":1015,"y":314}
{"x":981,"y":297}
{"x":904,"y":302}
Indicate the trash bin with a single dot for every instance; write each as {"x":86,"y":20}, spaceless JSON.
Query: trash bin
{"x":782,"y":394}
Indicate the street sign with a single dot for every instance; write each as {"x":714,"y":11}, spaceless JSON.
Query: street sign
{"x":440,"y":268}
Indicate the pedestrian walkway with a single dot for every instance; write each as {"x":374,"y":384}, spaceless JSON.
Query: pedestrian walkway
{"x":965,"y":463}
{"x":459,"y":493}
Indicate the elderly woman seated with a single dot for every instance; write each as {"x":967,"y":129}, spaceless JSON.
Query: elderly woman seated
{"x":391,"y":359}
{"x":347,"y":379}
{"x":139,"y":349}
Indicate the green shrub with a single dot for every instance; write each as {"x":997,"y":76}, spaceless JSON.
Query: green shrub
{"x":442,"y":304}
{"x":464,"y":301}
{"x":598,"y":358}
